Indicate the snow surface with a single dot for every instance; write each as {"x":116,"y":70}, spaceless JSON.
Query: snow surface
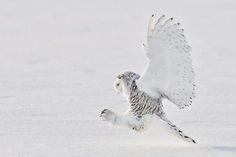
{"x":58,"y":62}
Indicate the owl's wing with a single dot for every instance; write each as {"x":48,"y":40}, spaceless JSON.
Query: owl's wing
{"x":169,"y":71}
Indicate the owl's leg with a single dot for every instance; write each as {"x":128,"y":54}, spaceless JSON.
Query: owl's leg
{"x":174,"y":129}
{"x":127,"y":120}
{"x":136,"y":123}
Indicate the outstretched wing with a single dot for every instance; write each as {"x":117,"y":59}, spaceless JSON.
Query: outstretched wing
{"x":169,"y":72}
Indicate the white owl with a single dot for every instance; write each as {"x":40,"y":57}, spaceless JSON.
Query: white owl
{"x":169,"y":74}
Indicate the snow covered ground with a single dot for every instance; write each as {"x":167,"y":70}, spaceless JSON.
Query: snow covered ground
{"x":58,"y":60}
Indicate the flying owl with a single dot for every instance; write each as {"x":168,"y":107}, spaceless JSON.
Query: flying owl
{"x":168,"y":75}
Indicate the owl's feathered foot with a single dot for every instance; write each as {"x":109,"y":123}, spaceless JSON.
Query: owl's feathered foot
{"x":108,"y":115}
{"x":138,"y":128}
{"x":122,"y":120}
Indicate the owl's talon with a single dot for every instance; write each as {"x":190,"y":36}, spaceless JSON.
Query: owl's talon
{"x":103,"y":111}
{"x":108,"y":115}
{"x":138,"y":128}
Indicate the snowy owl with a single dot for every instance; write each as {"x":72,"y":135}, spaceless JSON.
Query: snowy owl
{"x":169,"y":74}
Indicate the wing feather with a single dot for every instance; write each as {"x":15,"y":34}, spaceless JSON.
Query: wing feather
{"x":169,"y":72}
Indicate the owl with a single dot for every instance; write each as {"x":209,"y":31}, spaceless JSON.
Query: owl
{"x":168,"y":75}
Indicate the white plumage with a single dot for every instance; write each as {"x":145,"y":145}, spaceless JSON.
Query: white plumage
{"x":168,"y":74}
{"x":169,"y":71}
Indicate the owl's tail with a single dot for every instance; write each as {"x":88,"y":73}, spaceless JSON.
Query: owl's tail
{"x":175,"y":130}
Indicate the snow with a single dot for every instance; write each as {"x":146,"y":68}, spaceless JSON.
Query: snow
{"x":58,"y":62}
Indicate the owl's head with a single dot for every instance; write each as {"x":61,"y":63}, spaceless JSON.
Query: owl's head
{"x":124,"y":81}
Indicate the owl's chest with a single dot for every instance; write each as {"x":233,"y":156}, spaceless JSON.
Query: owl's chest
{"x":141,"y":104}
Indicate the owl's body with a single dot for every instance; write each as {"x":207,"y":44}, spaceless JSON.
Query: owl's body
{"x":169,"y":75}
{"x":141,"y":103}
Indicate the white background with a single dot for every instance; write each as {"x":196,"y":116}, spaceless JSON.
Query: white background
{"x":58,"y":60}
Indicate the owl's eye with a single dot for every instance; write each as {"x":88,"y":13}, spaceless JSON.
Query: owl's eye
{"x":120,"y":76}
{"x":117,"y":84}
